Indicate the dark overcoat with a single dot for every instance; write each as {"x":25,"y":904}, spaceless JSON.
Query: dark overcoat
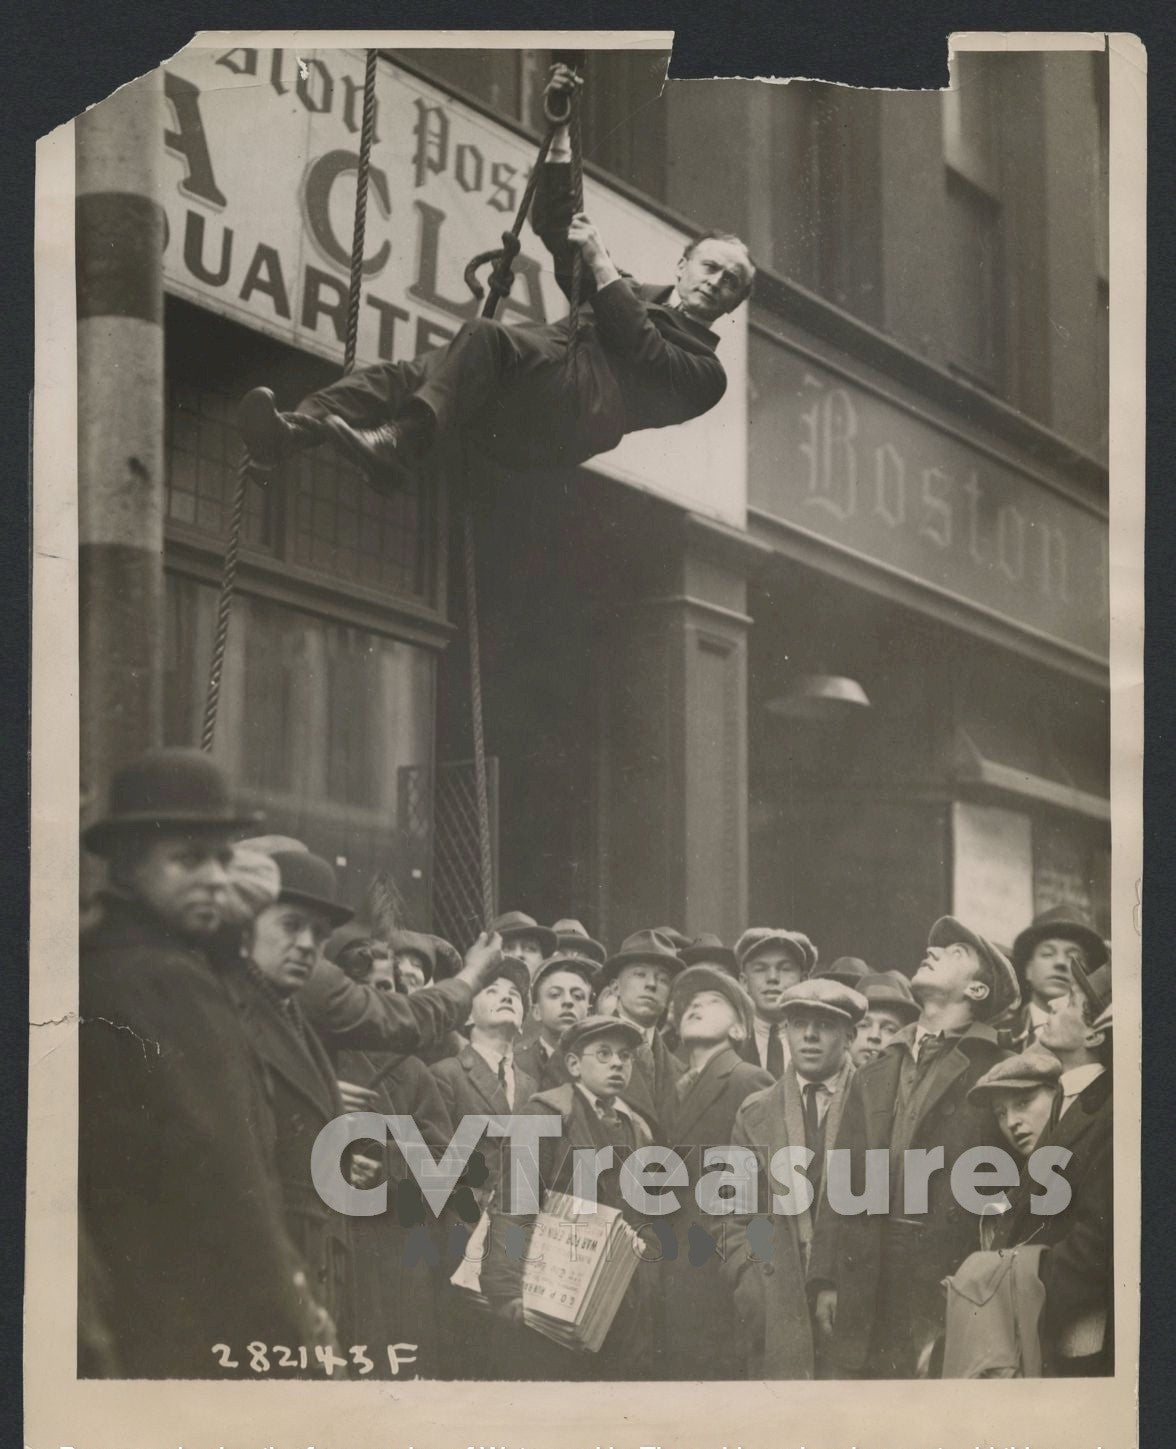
{"x":549,"y":1069}
{"x":396,"y":1286}
{"x":303,"y":1097}
{"x":1078,"y":1269}
{"x":698,"y":1336}
{"x":652,"y":1086}
{"x":888,"y":1270}
{"x":178,"y":1183}
{"x":775,"y":1338}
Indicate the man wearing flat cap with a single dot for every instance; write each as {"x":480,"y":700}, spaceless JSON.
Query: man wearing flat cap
{"x":714,"y":1016}
{"x":177,"y":1185}
{"x":876,"y":1280}
{"x":598,"y":1052}
{"x":561,"y":995}
{"x":642,"y":973}
{"x":1044,"y":957}
{"x":803,"y":1109}
{"x":771,"y":960}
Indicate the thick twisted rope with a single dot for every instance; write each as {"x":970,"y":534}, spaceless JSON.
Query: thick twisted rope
{"x":366,"y":133}
{"x":228,"y":586}
{"x":225,"y":603}
{"x":485,"y":851}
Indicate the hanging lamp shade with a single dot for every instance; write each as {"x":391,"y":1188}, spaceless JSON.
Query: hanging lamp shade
{"x":819,"y":697}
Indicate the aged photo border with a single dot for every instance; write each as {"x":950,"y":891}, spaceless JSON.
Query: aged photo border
{"x":62,"y":1411}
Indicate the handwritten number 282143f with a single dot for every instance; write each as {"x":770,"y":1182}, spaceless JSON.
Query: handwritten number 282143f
{"x":265,"y":1358}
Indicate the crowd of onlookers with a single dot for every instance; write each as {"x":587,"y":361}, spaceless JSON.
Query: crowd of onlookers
{"x":232,"y":1005}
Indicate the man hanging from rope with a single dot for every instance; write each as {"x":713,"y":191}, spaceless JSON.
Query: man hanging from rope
{"x":528,"y":395}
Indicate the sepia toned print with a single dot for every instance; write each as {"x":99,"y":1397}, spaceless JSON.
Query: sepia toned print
{"x":633,"y":502}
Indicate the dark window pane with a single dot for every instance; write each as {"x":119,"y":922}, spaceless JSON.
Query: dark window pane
{"x":975,"y":279}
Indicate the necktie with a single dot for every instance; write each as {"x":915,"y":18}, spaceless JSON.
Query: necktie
{"x":812,"y":1117}
{"x":685,"y":1082}
{"x":775,"y":1061}
{"x":929,"y":1048}
{"x":502,"y":1082}
{"x":614,"y":1125}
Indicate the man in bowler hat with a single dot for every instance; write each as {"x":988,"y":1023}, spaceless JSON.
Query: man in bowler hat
{"x":177,"y":1181}
{"x":876,"y":1279}
{"x":278,"y":954}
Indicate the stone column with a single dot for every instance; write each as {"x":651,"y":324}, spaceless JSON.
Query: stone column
{"x":120,"y":230}
{"x":675,"y":723}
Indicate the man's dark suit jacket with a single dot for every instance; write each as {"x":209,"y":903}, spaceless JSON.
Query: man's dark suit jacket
{"x":850,"y":1252}
{"x":699,"y":1338}
{"x":549,"y":1069}
{"x":651,"y":1090}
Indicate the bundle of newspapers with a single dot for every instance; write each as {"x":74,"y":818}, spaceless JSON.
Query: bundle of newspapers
{"x":580,"y":1260}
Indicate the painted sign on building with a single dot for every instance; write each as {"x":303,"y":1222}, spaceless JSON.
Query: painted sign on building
{"x":862,"y":472}
{"x":259,"y":192}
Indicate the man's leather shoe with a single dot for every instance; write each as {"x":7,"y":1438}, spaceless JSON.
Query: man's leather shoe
{"x":269,"y":436}
{"x":386,"y":454}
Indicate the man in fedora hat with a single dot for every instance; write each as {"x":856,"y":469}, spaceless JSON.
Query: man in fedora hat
{"x":594,"y":1114}
{"x":278,"y":956}
{"x":562,"y":995}
{"x":803,"y":1109}
{"x":524,"y":938}
{"x":641,"y":973}
{"x":879,"y":1303}
{"x":714,"y":1016}
{"x":771,"y":960}
{"x":891,"y":1006}
{"x":572,"y":938}
{"x":1044,"y":957}
{"x":849,"y":970}
{"x":177,"y":1184}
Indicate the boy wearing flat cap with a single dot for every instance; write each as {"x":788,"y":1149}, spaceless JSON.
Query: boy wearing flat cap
{"x":803,"y":1109}
{"x":562,"y":993}
{"x":876,"y":1279}
{"x":771,"y":959}
{"x":714,"y":1016}
{"x":1077,"y":1324}
{"x":598,"y":1053}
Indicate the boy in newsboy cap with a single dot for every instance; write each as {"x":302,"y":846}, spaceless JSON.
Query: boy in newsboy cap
{"x":598,"y":1053}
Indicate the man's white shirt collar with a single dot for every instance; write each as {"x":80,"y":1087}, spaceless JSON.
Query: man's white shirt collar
{"x":1077,"y":1079}
{"x":595,"y":1103}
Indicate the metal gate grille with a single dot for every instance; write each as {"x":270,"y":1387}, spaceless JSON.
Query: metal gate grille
{"x":455,"y":866}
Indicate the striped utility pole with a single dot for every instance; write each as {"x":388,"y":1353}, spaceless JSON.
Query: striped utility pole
{"x":120,"y":234}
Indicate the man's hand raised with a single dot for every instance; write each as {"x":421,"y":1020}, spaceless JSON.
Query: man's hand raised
{"x":481,"y":961}
{"x":582,"y":233}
